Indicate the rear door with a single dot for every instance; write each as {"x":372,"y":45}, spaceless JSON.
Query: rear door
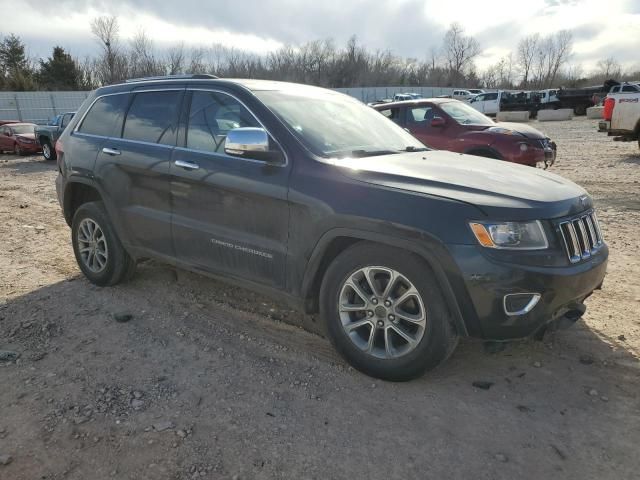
{"x":133,"y":166}
{"x":490,"y":104}
{"x":230,"y":214}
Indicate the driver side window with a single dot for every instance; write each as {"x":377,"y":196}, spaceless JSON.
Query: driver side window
{"x":419,"y":116}
{"x":211,"y":116}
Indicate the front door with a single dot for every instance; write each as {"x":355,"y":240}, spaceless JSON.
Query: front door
{"x":418,"y":122}
{"x":230,"y":214}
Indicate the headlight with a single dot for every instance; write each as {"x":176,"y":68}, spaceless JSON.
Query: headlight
{"x":510,"y":235}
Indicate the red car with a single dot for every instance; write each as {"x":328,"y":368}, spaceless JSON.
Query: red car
{"x":446,"y":124}
{"x":19,"y":138}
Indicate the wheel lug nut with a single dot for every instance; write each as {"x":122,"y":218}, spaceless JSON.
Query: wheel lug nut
{"x":387,"y":303}
{"x":370,"y":313}
{"x":374,"y":301}
{"x":392,"y":318}
{"x":380,"y":323}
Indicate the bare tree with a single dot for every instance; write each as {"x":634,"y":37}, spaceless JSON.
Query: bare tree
{"x":142,"y":59}
{"x":609,"y":68}
{"x":112,"y":65}
{"x":176,"y":59}
{"x":526,"y":52}
{"x":460,"y":51}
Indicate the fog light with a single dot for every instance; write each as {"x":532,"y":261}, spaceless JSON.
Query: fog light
{"x":524,"y":147}
{"x":520,"y":303}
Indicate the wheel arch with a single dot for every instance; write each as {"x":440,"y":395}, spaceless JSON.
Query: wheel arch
{"x":489,"y":152}
{"x":76,"y":193}
{"x":335,"y":241}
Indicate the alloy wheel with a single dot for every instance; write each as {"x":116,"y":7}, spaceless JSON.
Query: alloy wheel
{"x":382,"y":312}
{"x":92,"y":245}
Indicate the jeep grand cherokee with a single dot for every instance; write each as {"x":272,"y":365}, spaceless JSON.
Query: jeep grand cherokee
{"x":307,"y":192}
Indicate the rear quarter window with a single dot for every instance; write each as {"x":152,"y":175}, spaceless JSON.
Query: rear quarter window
{"x":105,"y":116}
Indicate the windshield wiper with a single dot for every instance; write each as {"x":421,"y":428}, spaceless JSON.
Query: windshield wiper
{"x":412,"y":148}
{"x":366,"y":153}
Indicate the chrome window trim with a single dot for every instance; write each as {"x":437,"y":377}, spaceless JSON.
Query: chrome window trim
{"x":225,"y":155}
{"x":128,"y":92}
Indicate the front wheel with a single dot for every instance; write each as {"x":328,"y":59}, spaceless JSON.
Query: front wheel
{"x":48,"y":152}
{"x":384,"y":312}
{"x":17,"y":149}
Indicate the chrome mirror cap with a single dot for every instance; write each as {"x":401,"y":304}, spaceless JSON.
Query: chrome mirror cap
{"x":244,"y":140}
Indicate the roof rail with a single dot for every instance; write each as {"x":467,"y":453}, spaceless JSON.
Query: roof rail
{"x":196,"y":76}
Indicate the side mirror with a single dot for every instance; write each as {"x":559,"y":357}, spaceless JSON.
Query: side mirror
{"x":253,"y":143}
{"x":438,"y":122}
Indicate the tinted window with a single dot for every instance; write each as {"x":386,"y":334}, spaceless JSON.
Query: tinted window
{"x":105,"y":117}
{"x":152,"y":117}
{"x":491,"y":96}
{"x":629,"y":88}
{"x":66,"y":119}
{"x":211,"y":116}
{"x":392,"y":114}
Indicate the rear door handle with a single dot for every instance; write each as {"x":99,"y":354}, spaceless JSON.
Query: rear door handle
{"x":111,"y":151}
{"x":186,"y":165}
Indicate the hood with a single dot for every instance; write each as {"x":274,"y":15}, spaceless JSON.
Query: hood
{"x":502,"y":190}
{"x":30,"y":136}
{"x":521,"y":128}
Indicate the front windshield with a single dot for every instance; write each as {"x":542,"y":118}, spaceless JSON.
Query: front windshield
{"x":21,"y":129}
{"x":335,"y":125}
{"x":464,"y":114}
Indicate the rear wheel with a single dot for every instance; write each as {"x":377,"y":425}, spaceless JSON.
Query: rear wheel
{"x":48,"y":152}
{"x":99,"y":252}
{"x":384,"y":312}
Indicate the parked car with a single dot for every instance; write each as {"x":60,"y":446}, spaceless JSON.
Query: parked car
{"x":5,"y":122}
{"x":621,"y":116}
{"x":453,"y":125}
{"x":475,"y":91}
{"x":462,"y":95}
{"x":406,"y":96}
{"x":311,"y":195}
{"x":487,"y":103}
{"x":18,"y":138}
{"x":48,"y":135}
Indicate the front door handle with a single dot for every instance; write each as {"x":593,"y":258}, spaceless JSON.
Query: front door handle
{"x":111,"y":151}
{"x":186,"y":165}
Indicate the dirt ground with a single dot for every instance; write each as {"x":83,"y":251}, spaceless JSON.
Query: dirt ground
{"x":209,"y":381}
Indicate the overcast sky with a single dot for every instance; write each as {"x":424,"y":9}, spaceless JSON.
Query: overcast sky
{"x":409,"y":28}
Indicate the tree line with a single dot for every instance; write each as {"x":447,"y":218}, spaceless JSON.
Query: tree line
{"x":537,"y":62}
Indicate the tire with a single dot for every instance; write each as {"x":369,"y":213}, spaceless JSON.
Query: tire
{"x":433,"y":340}
{"x":580,"y":110}
{"x":91,"y":229}
{"x":48,"y":152}
{"x":17,"y":149}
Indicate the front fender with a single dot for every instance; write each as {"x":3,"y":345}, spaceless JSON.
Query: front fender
{"x":428,"y":248}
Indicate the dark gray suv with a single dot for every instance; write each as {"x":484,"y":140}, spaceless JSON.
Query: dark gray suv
{"x":308,"y":193}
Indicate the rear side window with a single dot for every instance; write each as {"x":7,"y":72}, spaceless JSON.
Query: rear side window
{"x":152,"y":117}
{"x":420,"y":115}
{"x":211,"y":117}
{"x":105,"y":116}
{"x":491,"y":96}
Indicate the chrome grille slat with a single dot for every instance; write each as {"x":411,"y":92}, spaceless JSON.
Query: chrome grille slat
{"x":581,"y":236}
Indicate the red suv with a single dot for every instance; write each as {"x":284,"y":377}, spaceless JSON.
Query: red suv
{"x":446,"y":124}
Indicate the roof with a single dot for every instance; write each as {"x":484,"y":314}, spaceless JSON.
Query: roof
{"x":416,"y":102}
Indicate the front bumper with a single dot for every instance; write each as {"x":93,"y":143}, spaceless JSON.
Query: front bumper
{"x":486,"y":281}
{"x":30,"y":147}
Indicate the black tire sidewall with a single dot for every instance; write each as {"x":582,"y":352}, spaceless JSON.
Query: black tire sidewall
{"x":439,"y":337}
{"x":117,"y":259}
{"x":52,"y":152}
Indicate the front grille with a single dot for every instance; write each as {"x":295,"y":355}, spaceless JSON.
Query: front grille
{"x":582,"y":236}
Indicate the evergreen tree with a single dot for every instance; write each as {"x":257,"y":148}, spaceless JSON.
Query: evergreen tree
{"x":59,"y":72}
{"x":14,"y":65}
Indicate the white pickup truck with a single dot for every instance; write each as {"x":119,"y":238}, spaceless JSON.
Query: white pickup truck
{"x":621,"y":116}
